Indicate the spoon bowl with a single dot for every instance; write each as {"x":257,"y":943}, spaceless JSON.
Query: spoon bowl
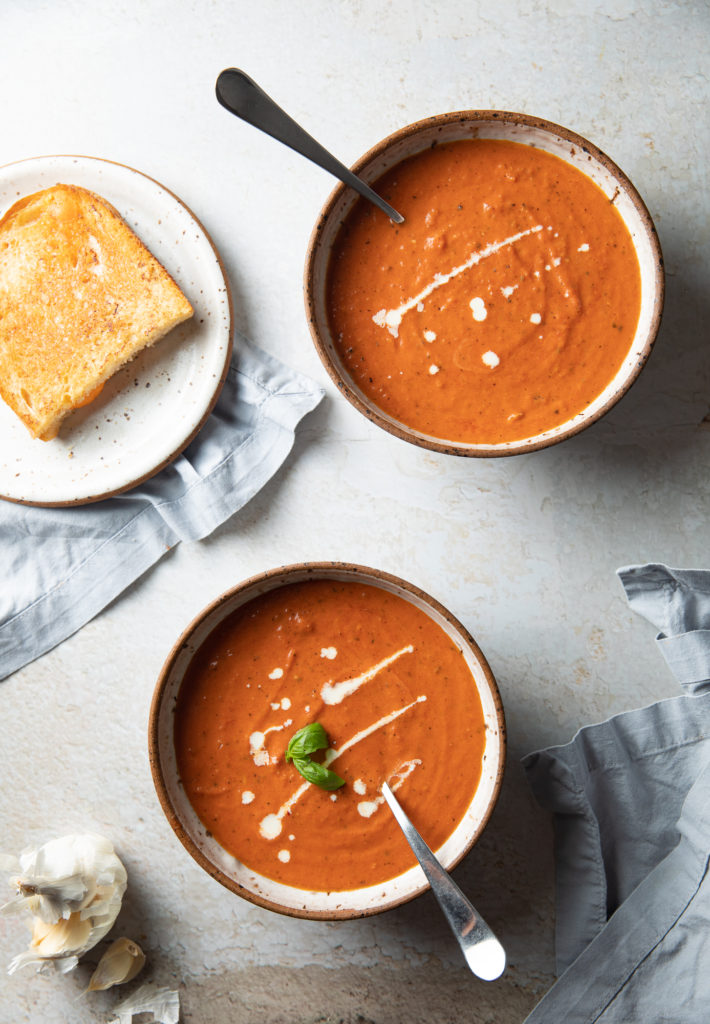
{"x":482,"y":950}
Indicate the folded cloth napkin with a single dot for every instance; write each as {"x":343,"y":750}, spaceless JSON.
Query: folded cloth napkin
{"x":61,"y":566}
{"x":631,"y":805}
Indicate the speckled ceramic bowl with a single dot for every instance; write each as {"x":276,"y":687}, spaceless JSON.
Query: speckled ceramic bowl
{"x":222,"y":865}
{"x":490,"y":124}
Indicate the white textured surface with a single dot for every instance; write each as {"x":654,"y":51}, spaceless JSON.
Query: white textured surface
{"x":523,"y":551}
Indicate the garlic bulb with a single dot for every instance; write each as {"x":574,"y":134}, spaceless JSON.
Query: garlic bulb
{"x":121,"y":962}
{"x":73,"y":888}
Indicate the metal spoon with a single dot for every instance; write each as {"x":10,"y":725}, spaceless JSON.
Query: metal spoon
{"x":484,"y":953}
{"x":242,"y":96}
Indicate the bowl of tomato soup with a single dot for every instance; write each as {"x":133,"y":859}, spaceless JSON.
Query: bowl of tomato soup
{"x":516,"y":304}
{"x":284,"y":707}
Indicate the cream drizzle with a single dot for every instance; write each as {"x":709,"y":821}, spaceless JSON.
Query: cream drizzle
{"x":270,"y":827}
{"x":392,"y":318}
{"x":335,"y":693}
{"x":478,"y":309}
{"x":368,"y":807}
{"x":257,"y":740}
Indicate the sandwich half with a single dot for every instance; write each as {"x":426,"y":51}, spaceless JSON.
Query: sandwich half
{"x":80,"y":296}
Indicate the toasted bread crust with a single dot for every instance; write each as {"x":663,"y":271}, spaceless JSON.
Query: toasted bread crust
{"x":80,"y":295}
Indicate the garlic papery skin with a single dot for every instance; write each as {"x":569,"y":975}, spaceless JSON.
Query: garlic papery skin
{"x":162,"y":1003}
{"x":73,"y":888}
{"x":121,"y":962}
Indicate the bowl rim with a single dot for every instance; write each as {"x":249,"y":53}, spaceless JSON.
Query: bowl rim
{"x":315,"y":570}
{"x":430,"y":442}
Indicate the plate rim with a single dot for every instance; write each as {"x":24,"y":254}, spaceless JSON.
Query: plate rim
{"x":123,"y":488}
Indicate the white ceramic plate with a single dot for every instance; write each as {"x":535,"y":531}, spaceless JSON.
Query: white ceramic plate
{"x":153,"y":407}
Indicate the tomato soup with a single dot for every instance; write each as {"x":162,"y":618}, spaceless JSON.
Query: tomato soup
{"x":396,"y":699}
{"x":501,"y":308}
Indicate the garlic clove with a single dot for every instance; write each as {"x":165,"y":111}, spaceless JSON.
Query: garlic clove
{"x":121,"y":962}
{"x":63,"y":938}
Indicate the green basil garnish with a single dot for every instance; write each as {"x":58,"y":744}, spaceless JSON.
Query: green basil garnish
{"x":304,"y":743}
{"x":318,"y":774}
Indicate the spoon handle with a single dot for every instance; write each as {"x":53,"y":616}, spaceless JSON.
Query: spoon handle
{"x":484,"y":953}
{"x":242,"y":96}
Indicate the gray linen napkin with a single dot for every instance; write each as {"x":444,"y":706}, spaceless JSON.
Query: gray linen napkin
{"x":631,"y":800}
{"x":61,"y":566}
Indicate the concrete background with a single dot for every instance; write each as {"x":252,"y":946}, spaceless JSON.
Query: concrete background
{"x":522,"y":550}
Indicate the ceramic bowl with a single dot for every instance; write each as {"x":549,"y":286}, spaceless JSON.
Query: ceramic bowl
{"x":490,"y":124}
{"x":223,"y":866}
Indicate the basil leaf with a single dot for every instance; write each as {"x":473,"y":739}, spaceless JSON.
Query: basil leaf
{"x":306,"y":741}
{"x":318,"y":774}
{"x":300,"y":747}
